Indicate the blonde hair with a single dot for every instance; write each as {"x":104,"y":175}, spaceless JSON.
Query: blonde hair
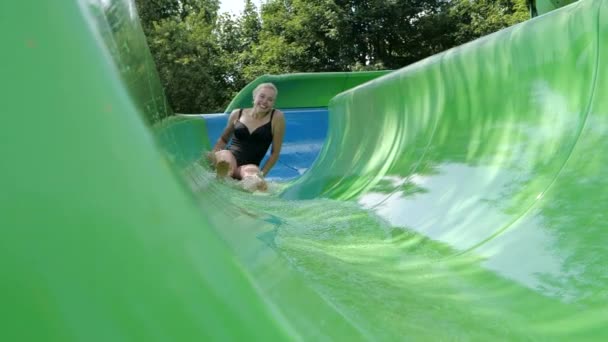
{"x":265,"y":85}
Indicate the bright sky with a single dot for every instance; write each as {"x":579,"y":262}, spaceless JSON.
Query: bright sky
{"x":235,"y":6}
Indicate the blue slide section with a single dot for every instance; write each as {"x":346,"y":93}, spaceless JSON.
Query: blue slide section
{"x":306,"y":130}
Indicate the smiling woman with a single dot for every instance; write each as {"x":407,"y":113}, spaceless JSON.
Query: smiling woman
{"x":251,"y":131}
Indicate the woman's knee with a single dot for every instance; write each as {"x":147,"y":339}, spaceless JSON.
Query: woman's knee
{"x":226,"y":157}
{"x":252,"y":179}
{"x":249,"y":170}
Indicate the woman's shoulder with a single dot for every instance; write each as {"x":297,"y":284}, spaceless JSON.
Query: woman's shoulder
{"x":236,"y":113}
{"x":278,"y":114}
{"x":234,"y":116}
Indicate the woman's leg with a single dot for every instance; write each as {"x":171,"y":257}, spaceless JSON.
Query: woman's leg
{"x":224,"y":163}
{"x":251,"y":177}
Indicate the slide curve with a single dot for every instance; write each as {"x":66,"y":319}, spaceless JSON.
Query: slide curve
{"x":459,"y":198}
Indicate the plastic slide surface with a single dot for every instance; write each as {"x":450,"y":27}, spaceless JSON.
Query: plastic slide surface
{"x":460,"y":198}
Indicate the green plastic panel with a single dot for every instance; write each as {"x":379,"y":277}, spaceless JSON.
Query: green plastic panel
{"x":545,"y":6}
{"x":496,"y":149}
{"x":305,"y":90}
{"x":100,"y":239}
{"x":183,"y":137}
{"x":460,"y":198}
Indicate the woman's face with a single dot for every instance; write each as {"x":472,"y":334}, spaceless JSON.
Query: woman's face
{"x":264,"y":99}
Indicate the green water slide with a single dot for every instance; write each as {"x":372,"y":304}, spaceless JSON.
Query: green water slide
{"x":460,"y":198}
{"x":538,"y":7}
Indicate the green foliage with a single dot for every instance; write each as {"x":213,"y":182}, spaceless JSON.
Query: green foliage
{"x":205,"y":59}
{"x":187,"y":56}
{"x":478,"y":18}
{"x":151,"y":11}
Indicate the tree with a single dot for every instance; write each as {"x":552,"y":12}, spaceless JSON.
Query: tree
{"x":250,"y":24}
{"x":474,"y":19}
{"x":297,"y":36}
{"x":205,"y":59}
{"x":151,"y":11}
{"x":188,"y":59}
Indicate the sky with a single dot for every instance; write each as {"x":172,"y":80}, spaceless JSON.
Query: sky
{"x":235,"y":6}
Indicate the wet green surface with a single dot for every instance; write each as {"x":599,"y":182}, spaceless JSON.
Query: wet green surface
{"x":461,"y":198}
{"x":305,"y":89}
{"x":546,"y":6}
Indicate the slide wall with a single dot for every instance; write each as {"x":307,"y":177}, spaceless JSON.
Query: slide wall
{"x":462,"y":197}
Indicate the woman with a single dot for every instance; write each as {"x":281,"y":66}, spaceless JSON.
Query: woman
{"x":252,"y":130}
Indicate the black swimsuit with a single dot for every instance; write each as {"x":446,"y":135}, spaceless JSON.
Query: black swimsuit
{"x":250,"y":147}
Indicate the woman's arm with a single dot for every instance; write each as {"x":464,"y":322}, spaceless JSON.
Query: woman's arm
{"x":278,"y":132}
{"x":224,"y":138}
{"x":227,"y":133}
